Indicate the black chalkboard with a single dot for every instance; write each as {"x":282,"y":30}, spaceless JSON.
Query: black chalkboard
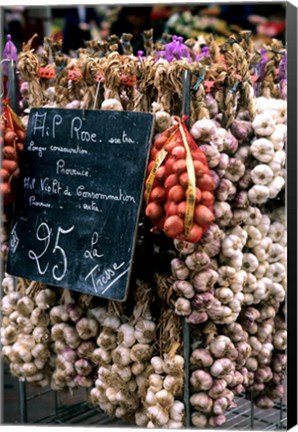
{"x":82,"y":186}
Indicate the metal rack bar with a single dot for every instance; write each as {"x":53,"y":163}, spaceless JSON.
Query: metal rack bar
{"x":29,"y":398}
{"x":186,"y":95}
{"x":252,"y":410}
{"x":186,"y":395}
{"x":56,"y":403}
{"x":186,"y":332}
{"x":23,"y":402}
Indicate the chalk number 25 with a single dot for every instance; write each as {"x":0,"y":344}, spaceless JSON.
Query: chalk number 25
{"x":43,"y":234}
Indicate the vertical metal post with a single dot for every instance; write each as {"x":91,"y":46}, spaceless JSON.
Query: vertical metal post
{"x":280,"y":413}
{"x":186,"y":333}
{"x":12,"y":86}
{"x":186,"y":395}
{"x":56,"y":403}
{"x":186,"y":95}
{"x":47,"y":20}
{"x":23,"y":403}
{"x":252,"y":414}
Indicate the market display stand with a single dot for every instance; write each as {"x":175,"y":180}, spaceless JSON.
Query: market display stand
{"x":245,"y":415}
{"x":62,"y":410}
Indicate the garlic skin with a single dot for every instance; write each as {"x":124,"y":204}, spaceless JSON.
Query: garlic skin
{"x":258,"y":194}
{"x":263,"y":124}
{"x":122,"y":356}
{"x":275,"y":186}
{"x":262,"y":174}
{"x":221,"y":367}
{"x":235,"y":170}
{"x":126,"y":335}
{"x":112,"y":105}
{"x":199,"y":419}
{"x":25,"y":306}
{"x":158,"y":415}
{"x":262,"y":149}
{"x":212,"y":155}
{"x":163,"y":120}
{"x":179,"y":269}
{"x":164,"y":398}
{"x":203,"y":130}
{"x":177,"y":411}
{"x":184,"y":289}
{"x":201,"y":402}
{"x":141,"y":418}
{"x":144,"y":330}
{"x":183,"y":306}
{"x":45,"y":298}
{"x":155,"y":382}
{"x":279,"y":136}
{"x":58,"y":314}
{"x":231,"y":245}
{"x":201,"y":380}
{"x":157,"y":364}
{"x":172,"y":364}
{"x":173,"y":383}
{"x":201,"y":358}
{"x":203,"y":281}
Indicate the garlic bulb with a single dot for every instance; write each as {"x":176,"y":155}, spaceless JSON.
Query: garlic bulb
{"x":164,"y":398}
{"x":263,"y":125}
{"x":112,"y":104}
{"x":158,"y":415}
{"x":262,"y":174}
{"x":203,"y":130}
{"x":144,"y":330}
{"x":201,"y":380}
{"x":258,"y":194}
{"x":126,"y":335}
{"x":155,"y":382}
{"x":122,"y":355}
{"x":157,"y":364}
{"x":262,"y":149}
{"x":182,"y":306}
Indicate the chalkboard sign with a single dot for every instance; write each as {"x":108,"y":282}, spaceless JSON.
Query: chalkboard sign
{"x":82,"y":187}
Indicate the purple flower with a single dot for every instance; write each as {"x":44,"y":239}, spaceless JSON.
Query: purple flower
{"x":282,"y":73}
{"x":175,"y":50}
{"x":262,"y":64}
{"x":10,"y":52}
{"x":204,"y":53}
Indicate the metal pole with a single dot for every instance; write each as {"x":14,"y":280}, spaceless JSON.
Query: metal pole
{"x":186,"y":395}
{"x":281,"y":413}
{"x":186,"y":332}
{"x":252,"y":410}
{"x":186,"y":95}
{"x":56,"y":402}
{"x":23,"y":402}
{"x":12,"y":86}
{"x":47,"y":21}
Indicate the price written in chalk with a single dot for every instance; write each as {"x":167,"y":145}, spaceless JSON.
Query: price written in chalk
{"x":81,"y":190}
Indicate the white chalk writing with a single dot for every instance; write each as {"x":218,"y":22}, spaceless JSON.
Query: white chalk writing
{"x":33,"y":202}
{"x":14,"y":239}
{"x":34,"y":148}
{"x":44,"y":234}
{"x":61,"y":169}
{"x":81,"y":192}
{"x":125,"y":139}
{"x":92,"y":251}
{"x":105,"y":277}
{"x":70,"y":150}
